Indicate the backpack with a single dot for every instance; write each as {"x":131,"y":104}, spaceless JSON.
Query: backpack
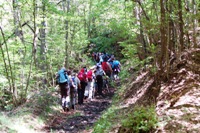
{"x":116,"y":64}
{"x":81,"y":76}
{"x":62,"y":77}
{"x":105,"y":66}
{"x":72,"y":82}
{"x":89,"y":75}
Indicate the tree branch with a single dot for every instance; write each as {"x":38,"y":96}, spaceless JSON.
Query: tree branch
{"x":138,"y":1}
{"x":6,"y":39}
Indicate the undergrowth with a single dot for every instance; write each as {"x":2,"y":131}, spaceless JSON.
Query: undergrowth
{"x":32,"y":115}
{"x":106,"y":121}
{"x":137,"y":119}
{"x":141,"y":120}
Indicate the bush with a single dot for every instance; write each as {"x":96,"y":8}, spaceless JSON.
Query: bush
{"x":142,"y":119}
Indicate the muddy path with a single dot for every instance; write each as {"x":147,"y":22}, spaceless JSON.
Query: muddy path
{"x":82,"y":119}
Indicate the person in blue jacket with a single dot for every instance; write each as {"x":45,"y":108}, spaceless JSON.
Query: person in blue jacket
{"x":116,"y":68}
{"x":63,"y":81}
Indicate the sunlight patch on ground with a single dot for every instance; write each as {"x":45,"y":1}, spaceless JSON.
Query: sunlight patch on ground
{"x":25,"y":124}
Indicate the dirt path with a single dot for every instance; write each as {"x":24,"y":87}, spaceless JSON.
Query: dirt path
{"x":82,"y":119}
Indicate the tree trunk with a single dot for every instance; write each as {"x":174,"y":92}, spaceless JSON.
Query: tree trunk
{"x":9,"y":62}
{"x":43,"y":64}
{"x":187,"y":23}
{"x":17,"y":24}
{"x":195,"y":23}
{"x":34,"y":46}
{"x":89,"y":19}
{"x":163,"y":35}
{"x":5,"y":64}
{"x":66,"y":63}
{"x":180,"y":25}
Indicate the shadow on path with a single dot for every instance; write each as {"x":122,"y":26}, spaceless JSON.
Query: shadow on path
{"x":83,"y":118}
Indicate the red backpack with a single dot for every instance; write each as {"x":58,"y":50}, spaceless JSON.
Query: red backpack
{"x":105,"y":66}
{"x":81,"y":76}
{"x":89,"y":75}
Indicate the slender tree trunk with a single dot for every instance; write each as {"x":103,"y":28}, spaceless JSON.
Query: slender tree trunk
{"x":66,"y":64}
{"x":43,"y":64}
{"x":170,"y":27}
{"x":195,"y":23}
{"x":17,"y":24}
{"x":143,"y":11}
{"x":143,"y":42}
{"x":18,"y":33}
{"x":33,"y":57}
{"x":5,"y":65}
{"x":89,"y":19}
{"x":9,"y":62}
{"x":85,"y":22}
{"x":43,"y":39}
{"x":180,"y":25}
{"x":187,"y":23}
{"x":163,"y":35}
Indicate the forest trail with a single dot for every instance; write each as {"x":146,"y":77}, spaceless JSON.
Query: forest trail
{"x":82,"y":118}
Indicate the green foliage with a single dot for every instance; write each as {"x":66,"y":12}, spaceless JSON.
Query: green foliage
{"x":5,"y":124}
{"x":142,"y":119}
{"x":106,"y":121}
{"x":103,"y":43}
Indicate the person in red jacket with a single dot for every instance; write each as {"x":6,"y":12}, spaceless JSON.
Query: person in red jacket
{"x":90,"y":85}
{"x":82,"y":77}
{"x":107,"y":68}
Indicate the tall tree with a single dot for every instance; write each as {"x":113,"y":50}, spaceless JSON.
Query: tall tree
{"x":180,"y":25}
{"x":34,"y":46}
{"x":163,"y":35}
{"x":42,"y":32}
{"x":66,"y":63}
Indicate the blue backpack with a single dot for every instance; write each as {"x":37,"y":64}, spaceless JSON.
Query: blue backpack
{"x":62,"y":76}
{"x":116,"y":63}
{"x":72,"y":82}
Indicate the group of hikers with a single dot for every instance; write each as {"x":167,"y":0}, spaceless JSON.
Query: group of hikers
{"x":77,"y":86}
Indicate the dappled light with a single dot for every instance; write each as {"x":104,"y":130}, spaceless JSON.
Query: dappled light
{"x":99,"y":66}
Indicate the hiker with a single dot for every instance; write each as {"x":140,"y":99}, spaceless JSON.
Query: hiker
{"x":77,"y":85}
{"x":107,"y":67}
{"x":82,"y":78}
{"x":63,"y":81}
{"x":116,"y":69}
{"x":72,"y":86}
{"x":90,"y":85}
{"x":105,"y":56}
{"x":99,"y":79}
{"x":95,"y":57}
{"x":100,"y":58}
{"x":111,"y":58}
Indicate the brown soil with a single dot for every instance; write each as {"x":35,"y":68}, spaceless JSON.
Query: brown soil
{"x":82,"y":118}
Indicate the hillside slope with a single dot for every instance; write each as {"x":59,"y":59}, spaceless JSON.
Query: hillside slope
{"x":176,"y":99}
{"x":179,"y":100}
